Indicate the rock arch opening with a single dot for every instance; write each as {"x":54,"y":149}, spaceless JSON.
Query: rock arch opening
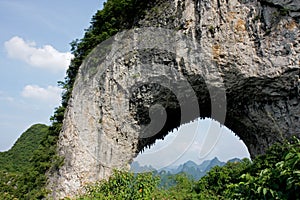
{"x":169,"y":153}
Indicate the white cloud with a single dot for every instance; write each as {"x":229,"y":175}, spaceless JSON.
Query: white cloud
{"x":6,"y":98}
{"x":51,"y":94}
{"x":46,"y":57}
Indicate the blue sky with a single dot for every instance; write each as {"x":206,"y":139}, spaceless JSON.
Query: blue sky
{"x":34,"y":45}
{"x":34,"y":54}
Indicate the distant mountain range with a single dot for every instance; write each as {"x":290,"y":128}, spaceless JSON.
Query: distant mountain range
{"x":137,"y":168}
{"x":190,"y":168}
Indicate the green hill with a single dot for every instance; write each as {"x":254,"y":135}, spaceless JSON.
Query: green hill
{"x":17,"y":159}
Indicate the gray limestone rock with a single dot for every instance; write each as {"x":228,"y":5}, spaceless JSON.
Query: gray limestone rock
{"x":235,"y":61}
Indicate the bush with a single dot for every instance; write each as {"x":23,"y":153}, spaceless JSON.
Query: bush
{"x":123,"y":185}
{"x":275,"y":175}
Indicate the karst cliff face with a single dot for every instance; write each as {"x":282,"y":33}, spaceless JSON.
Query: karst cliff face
{"x":237,"y":62}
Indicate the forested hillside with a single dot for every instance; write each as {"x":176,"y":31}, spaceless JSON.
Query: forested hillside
{"x":17,"y":159}
{"x":18,"y":177}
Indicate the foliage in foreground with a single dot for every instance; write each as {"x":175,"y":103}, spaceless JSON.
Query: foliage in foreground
{"x":123,"y":185}
{"x":274,"y":175}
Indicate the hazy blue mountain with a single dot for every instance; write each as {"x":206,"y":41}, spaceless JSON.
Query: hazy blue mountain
{"x":204,"y":164}
{"x":192,"y":169}
{"x":137,"y":168}
{"x":196,"y":171}
{"x":214,"y":162}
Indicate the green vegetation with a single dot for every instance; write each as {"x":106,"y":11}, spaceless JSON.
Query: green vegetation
{"x":123,"y":185}
{"x":17,"y":159}
{"x":274,"y":175}
{"x":19,"y":178}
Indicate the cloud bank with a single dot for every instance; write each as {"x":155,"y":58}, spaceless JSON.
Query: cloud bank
{"x":46,"y":57}
{"x":51,"y":94}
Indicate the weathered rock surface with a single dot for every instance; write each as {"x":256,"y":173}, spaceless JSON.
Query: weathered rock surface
{"x":236,"y":61}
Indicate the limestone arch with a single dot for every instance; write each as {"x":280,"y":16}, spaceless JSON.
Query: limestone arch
{"x":102,"y":131}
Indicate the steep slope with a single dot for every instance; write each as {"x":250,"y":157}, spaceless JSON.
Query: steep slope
{"x":17,"y":159}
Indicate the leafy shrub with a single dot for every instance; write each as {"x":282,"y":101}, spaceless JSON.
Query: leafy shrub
{"x":123,"y":185}
{"x":217,"y":179}
{"x":274,"y":175}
